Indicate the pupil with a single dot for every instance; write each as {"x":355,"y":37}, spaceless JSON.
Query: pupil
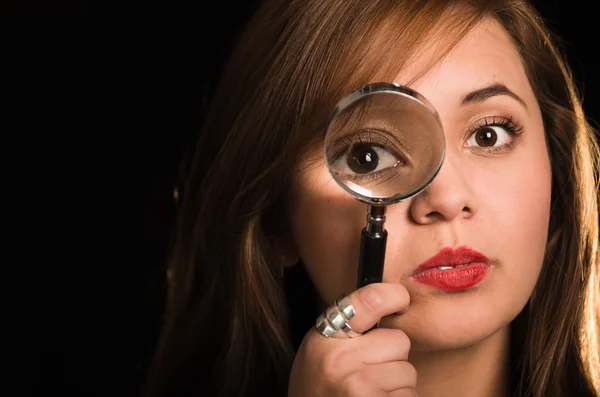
{"x":363,"y":158}
{"x":486,"y":137}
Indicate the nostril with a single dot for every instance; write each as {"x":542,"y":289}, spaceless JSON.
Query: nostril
{"x":434,"y":215}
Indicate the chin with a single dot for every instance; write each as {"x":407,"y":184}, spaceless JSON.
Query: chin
{"x":443,"y":325}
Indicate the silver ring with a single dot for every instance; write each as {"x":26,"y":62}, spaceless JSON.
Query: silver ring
{"x":336,"y":317}
{"x":324,"y":326}
{"x":349,"y":331}
{"x":343,"y":303}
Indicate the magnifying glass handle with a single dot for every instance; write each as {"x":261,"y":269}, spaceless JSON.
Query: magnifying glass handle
{"x":372,"y":249}
{"x":372,"y":256}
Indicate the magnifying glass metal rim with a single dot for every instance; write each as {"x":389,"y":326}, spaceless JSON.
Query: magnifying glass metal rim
{"x":372,"y":89}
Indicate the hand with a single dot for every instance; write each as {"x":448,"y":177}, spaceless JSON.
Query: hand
{"x":370,"y":365}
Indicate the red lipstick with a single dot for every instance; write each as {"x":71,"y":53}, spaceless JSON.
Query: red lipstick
{"x":453,"y":269}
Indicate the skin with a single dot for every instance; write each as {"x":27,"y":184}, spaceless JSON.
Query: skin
{"x":497,"y":203}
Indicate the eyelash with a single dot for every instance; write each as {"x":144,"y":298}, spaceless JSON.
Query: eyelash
{"x":374,"y":138}
{"x":507,"y":122}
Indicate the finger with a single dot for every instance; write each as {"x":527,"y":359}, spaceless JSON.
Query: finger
{"x":407,"y":392}
{"x":379,"y":346}
{"x":374,"y":301}
{"x":357,"y":384}
{"x":391,"y":376}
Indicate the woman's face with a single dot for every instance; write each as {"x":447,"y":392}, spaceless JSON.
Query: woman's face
{"x":491,"y":195}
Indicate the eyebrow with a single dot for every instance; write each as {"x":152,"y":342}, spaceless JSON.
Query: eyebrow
{"x":482,"y":94}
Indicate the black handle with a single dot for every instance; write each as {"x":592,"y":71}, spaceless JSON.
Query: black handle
{"x":372,"y":256}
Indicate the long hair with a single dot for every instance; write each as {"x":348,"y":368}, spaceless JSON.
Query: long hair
{"x":227,"y":322}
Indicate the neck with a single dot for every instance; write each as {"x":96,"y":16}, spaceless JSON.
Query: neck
{"x":480,"y":370}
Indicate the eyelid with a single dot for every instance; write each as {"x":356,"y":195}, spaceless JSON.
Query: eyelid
{"x":512,"y":127}
{"x":506,"y":121}
{"x":380,"y":138}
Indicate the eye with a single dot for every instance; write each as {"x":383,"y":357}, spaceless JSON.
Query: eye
{"x":490,"y":136}
{"x":364,"y":158}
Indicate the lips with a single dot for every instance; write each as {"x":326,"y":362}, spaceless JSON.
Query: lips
{"x":453,"y":269}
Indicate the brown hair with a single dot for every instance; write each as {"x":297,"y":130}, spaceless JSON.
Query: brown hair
{"x":227,"y":328}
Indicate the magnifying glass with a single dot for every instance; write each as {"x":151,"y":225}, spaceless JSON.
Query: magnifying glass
{"x":383,"y":143}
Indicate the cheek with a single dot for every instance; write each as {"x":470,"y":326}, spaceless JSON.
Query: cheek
{"x":326,"y":224}
{"x":518,"y":201}
{"x":515,"y":210}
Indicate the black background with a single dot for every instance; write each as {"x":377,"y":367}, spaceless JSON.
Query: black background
{"x":100,"y":99}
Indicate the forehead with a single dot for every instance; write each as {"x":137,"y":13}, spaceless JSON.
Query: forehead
{"x":486,"y":55}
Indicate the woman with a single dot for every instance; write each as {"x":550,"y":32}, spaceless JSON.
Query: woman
{"x":517,"y":192}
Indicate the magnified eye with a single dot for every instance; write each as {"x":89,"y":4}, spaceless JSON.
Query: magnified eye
{"x":364,"y":158}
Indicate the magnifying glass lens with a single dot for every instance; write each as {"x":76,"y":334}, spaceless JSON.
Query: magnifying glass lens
{"x":384,"y":143}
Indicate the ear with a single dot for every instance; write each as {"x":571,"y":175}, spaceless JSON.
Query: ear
{"x":285,"y":250}
{"x":282,"y":247}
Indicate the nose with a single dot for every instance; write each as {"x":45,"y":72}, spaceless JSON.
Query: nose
{"x":449,"y":196}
